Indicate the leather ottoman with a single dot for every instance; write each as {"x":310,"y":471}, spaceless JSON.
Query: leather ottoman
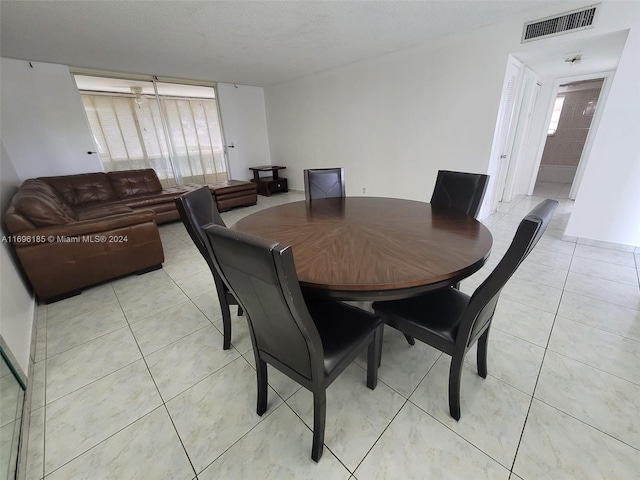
{"x":233,"y":193}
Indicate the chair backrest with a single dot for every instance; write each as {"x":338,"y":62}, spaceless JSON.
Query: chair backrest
{"x":324,"y":183}
{"x":460,"y":191}
{"x":197,"y":209}
{"x":262,"y":276}
{"x":483,"y":302}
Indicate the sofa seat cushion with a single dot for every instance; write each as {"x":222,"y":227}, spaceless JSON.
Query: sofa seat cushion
{"x":166,"y":195}
{"x":156,"y":207}
{"x":83,"y":188}
{"x":94,"y":212}
{"x":132,"y":183}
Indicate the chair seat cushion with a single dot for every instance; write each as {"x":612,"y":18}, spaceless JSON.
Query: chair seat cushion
{"x":341,"y":327}
{"x":435,"y":315}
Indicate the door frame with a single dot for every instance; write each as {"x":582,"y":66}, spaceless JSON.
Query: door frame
{"x":607,"y":77}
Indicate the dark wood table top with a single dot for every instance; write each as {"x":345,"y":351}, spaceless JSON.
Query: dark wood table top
{"x":367,"y":248}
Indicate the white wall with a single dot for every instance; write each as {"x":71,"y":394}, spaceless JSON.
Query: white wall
{"x":43,"y":124}
{"x":16,"y":301}
{"x":608,"y":203}
{"x":393,"y":121}
{"x":245,"y":126}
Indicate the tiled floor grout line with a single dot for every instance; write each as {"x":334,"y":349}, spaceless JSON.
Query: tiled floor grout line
{"x":85,"y":342}
{"x":44,"y":412}
{"x":617,"y":334}
{"x":588,"y":424}
{"x":533,"y":392}
{"x":44,"y":473}
{"x":197,"y":383}
{"x":594,"y":367}
{"x":157,"y":389}
{"x":164,"y":403}
{"x":102,"y":441}
{"x":406,"y":400}
{"x":399,"y":410}
{"x":324,"y":444}
{"x":458,"y":435}
{"x":175,"y":428}
{"x":264,"y":416}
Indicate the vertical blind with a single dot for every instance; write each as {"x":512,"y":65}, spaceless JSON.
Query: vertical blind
{"x":130,"y":134}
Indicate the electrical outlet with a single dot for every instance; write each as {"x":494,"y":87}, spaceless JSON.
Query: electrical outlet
{"x":364,"y":190}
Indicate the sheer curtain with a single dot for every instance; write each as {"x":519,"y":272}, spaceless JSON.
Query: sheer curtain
{"x":194,"y":131}
{"x":176,"y":134}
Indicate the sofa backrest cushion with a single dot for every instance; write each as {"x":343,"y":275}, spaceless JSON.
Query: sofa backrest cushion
{"x":38,"y":203}
{"x":82,"y":188}
{"x":129,"y":183}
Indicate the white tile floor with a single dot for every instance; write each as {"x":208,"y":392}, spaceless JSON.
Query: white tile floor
{"x":131,"y":381}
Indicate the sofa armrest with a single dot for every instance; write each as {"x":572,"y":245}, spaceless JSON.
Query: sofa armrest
{"x":50,"y":234}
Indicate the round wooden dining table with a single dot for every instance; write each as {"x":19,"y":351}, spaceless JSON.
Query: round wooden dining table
{"x":369,"y":248}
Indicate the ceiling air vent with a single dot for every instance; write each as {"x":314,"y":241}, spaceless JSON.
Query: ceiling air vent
{"x":565,"y":23}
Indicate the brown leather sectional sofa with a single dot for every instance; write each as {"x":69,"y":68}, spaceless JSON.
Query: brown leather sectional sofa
{"x":73,"y":231}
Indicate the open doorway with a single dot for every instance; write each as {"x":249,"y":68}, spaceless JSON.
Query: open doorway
{"x":572,"y":118}
{"x":557,"y":62}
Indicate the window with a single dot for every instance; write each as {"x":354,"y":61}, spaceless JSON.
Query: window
{"x":555,"y":116}
{"x":176,"y":132}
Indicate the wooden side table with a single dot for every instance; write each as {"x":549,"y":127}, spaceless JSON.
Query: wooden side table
{"x":271,"y":184}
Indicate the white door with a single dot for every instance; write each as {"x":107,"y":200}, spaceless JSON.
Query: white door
{"x":505,"y":131}
{"x":514,"y":184}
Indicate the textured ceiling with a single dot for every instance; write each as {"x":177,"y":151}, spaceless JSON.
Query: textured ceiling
{"x":251,"y":43}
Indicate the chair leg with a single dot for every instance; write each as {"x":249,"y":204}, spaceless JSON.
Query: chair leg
{"x":226,"y":326}
{"x":483,"y":342}
{"x":373,"y":359}
{"x":410,"y":340}
{"x":319,"y":420}
{"x":455,"y":374}
{"x":380,"y":339}
{"x":261,"y":367}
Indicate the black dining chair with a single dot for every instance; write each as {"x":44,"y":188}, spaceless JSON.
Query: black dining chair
{"x":311,"y":340}
{"x":324,"y":183}
{"x":460,"y":191}
{"x":197,"y":209}
{"x":453,"y":321}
